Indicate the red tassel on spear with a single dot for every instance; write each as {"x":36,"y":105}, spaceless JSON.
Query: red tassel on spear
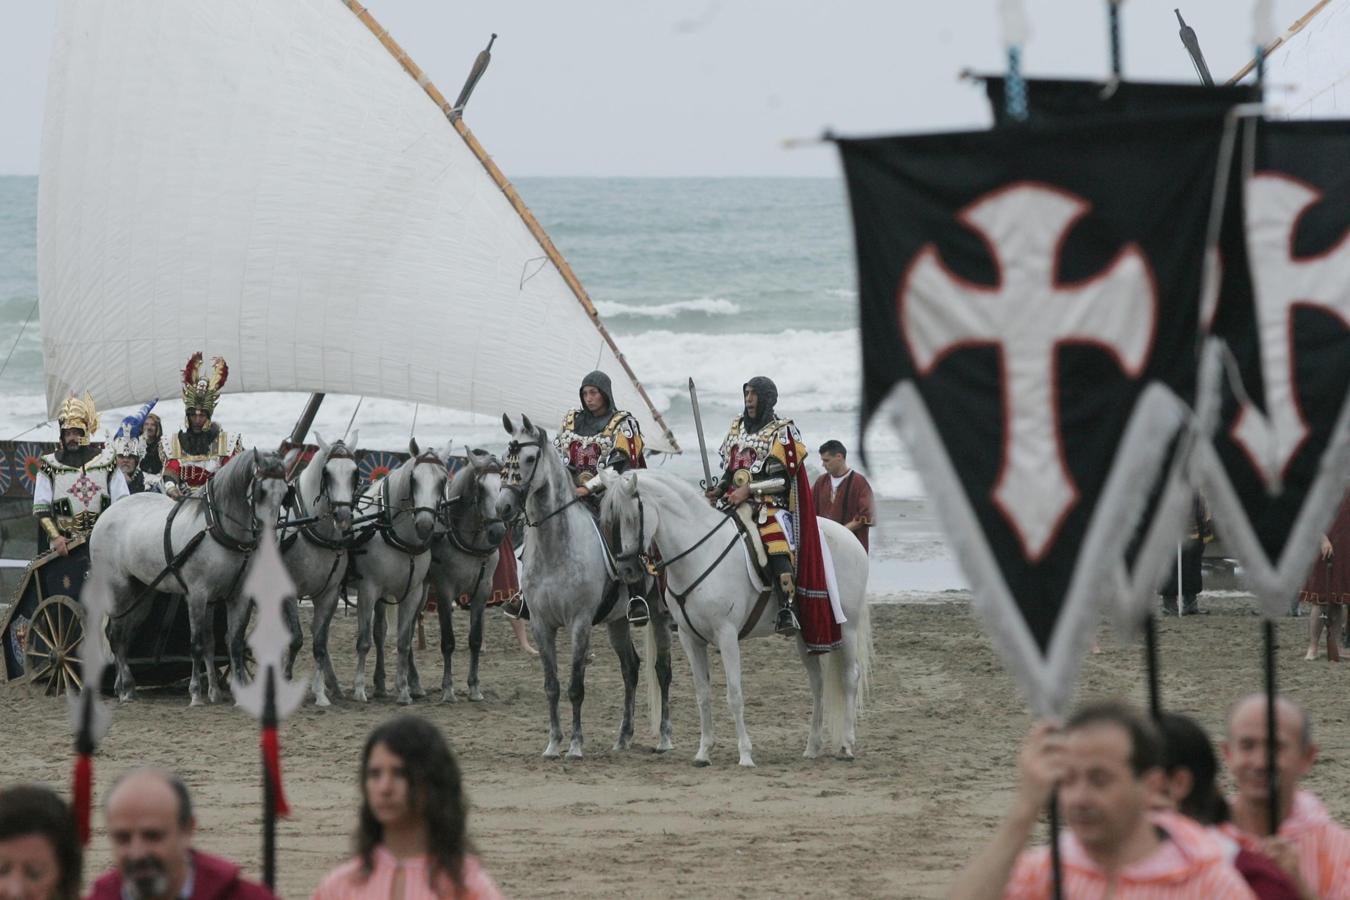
{"x":269,"y":697}
{"x":89,"y":716}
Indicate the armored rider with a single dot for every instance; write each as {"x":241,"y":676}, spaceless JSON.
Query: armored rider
{"x":760,"y":457}
{"x":76,"y":482}
{"x":202,"y":447}
{"x":596,"y":434}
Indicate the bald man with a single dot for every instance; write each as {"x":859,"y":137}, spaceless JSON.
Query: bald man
{"x":151,"y":826}
{"x":1309,"y":846}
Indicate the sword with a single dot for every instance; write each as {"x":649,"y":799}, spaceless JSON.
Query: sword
{"x":707,"y":483}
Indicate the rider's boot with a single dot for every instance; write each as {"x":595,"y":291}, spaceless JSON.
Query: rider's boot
{"x":516,"y":608}
{"x":785,"y":592}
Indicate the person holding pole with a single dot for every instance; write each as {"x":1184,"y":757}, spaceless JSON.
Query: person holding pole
{"x":1308,"y":845}
{"x":1106,"y":765}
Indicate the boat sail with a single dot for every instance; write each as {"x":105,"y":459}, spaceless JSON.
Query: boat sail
{"x":275,"y":182}
{"x":1308,"y":66}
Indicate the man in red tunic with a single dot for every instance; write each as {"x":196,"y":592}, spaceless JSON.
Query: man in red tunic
{"x":201,"y":448}
{"x":842,"y":494}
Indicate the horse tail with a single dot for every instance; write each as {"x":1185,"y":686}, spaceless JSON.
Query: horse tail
{"x":837,"y":673}
{"x":649,"y":666}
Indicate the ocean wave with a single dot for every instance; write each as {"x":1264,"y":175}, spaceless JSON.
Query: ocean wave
{"x":708,"y":306}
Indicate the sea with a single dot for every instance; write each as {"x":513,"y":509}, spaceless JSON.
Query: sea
{"x":718,"y":279}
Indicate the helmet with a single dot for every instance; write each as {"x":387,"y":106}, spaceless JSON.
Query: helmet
{"x":201,"y":389}
{"x":81,"y":414}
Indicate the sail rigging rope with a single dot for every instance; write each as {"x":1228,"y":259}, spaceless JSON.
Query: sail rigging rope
{"x":1113,"y":24}
{"x":17,"y":338}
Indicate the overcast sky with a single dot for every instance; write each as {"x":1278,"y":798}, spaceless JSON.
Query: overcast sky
{"x":711,"y":87}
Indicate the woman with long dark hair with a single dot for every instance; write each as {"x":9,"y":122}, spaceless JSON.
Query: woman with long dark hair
{"x":1192,"y":789}
{"x":411,"y":840}
{"x":40,"y":854}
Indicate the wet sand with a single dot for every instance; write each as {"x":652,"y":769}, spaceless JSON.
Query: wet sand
{"x":933,"y":774}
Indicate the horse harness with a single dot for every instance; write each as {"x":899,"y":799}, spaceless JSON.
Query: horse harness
{"x":306,"y":523}
{"x":386,"y":523}
{"x":481,"y":552}
{"x":656,"y":568}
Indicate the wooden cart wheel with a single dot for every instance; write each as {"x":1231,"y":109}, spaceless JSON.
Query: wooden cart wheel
{"x":52,"y":646}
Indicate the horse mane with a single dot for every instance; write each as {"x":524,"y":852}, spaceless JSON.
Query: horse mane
{"x":314,"y":469}
{"x":230,"y":485}
{"x":620,"y":490}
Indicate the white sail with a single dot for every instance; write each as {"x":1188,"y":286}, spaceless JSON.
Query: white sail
{"x":1308,"y":65}
{"x":272,"y":182}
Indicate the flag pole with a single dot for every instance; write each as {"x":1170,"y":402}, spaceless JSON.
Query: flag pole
{"x":1151,"y":665}
{"x":1056,"y":864}
{"x":269,"y":723}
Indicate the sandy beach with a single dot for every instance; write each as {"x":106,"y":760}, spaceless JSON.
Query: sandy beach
{"x":932,"y":777}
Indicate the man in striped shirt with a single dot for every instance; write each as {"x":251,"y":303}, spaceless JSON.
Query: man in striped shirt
{"x":1309,"y":846}
{"x":1107,"y":765}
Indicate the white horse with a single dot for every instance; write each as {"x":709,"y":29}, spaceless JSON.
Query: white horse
{"x":316,"y":554}
{"x":567,"y":583}
{"x":706,"y":568}
{"x":392,"y":564}
{"x":133,"y":543}
{"x":463,"y":558}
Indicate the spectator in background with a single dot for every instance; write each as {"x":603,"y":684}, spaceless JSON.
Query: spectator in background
{"x":40,"y":855}
{"x":1327,"y":589}
{"x":842,"y":494}
{"x":1192,"y":552}
{"x":411,"y":836}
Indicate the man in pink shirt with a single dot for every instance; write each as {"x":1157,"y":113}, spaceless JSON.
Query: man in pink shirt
{"x":1309,"y":846}
{"x":1107,"y":764}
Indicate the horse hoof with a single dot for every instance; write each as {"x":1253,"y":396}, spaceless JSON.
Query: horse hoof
{"x":360,"y":696}
{"x":551,"y":752}
{"x":844,"y":755}
{"x":195,"y":701}
{"x":664,"y":747}
{"x":405,"y":699}
{"x":448,"y":696}
{"x":322,"y":702}
{"x":475,"y":695}
{"x":574,"y":754}
{"x":747,"y":763}
{"x":702,"y":763}
{"x":811,"y":754}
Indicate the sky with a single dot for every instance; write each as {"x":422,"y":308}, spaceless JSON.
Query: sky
{"x":713,"y":87}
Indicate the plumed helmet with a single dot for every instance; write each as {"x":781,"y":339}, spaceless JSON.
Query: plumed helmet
{"x":128,"y":440}
{"x":202,"y":387}
{"x":79,"y":413}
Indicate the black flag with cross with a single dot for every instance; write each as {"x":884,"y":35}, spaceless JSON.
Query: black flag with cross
{"x":1030,"y":319}
{"x":1276,"y":467}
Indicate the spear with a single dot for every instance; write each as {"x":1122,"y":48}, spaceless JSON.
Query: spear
{"x":270,"y":696}
{"x":89,"y":715}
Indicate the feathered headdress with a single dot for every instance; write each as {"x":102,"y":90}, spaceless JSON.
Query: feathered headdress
{"x":77,"y":413}
{"x":128,"y":441}
{"x":200,"y":389}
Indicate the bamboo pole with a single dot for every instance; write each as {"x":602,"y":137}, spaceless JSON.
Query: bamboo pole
{"x":1299,"y":25}
{"x":537,"y":230}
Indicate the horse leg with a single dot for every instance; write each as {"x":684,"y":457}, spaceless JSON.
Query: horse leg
{"x":546,"y":639}
{"x":203,"y":635}
{"x":730,"y":646}
{"x":366,"y":601}
{"x":236,"y":617}
{"x":850,"y":677}
{"x":477,"y":610}
{"x":812,"y":662}
{"x":381,"y":629}
{"x":414,"y":677}
{"x":119,"y":636}
{"x":660,"y":631}
{"x":325,"y":679}
{"x":576,"y":688}
{"x":445,"y":614}
{"x":290,"y":608}
{"x":621,"y":639}
{"x":697,"y":653}
{"x":407,"y":630}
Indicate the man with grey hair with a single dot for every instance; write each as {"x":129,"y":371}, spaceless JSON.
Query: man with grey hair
{"x":151,"y":826}
{"x":1312,"y":849}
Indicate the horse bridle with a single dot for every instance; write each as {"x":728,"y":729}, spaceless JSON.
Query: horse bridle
{"x":484,"y":522}
{"x":512,"y":481}
{"x":640,"y":554}
{"x":215,"y":521}
{"x":410,"y":506}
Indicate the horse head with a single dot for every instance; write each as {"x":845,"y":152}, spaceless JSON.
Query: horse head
{"x":631,"y":523}
{"x":334,"y":481}
{"x":267,"y":486}
{"x":426,"y":477}
{"x":527,"y":453}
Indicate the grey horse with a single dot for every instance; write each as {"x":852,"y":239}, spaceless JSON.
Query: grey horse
{"x":392,"y":565}
{"x":132,"y":543}
{"x":568,"y":582}
{"x":316,"y":554}
{"x":464,"y":556}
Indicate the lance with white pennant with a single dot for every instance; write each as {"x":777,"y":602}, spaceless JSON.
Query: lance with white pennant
{"x":270,"y":696}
